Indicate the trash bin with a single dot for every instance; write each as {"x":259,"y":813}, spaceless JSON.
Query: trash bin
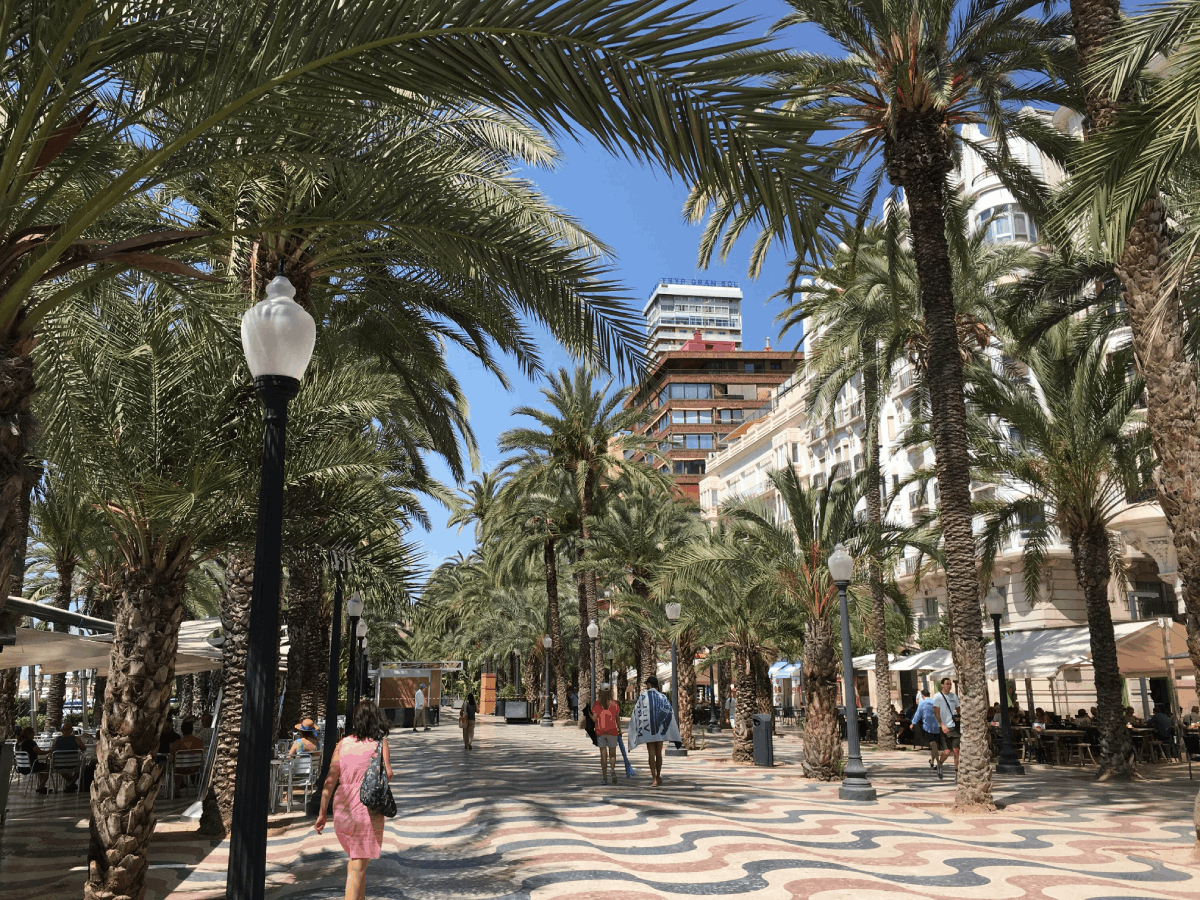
{"x":764,"y":746}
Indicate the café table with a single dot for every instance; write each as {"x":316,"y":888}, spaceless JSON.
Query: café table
{"x":1062,"y":739}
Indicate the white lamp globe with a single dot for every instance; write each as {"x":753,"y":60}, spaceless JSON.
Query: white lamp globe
{"x":278,"y":335}
{"x":994,"y":602}
{"x":361,"y":631}
{"x":841,"y":565}
{"x":547,"y":642}
{"x":354,"y":605}
{"x":673,"y":611}
{"x":593,"y":630}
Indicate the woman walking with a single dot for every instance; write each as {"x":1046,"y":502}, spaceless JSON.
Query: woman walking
{"x":652,"y":723}
{"x":359,"y":831}
{"x":606,"y":713}
{"x":466,"y":719}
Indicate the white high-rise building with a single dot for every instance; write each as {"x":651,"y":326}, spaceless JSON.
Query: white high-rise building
{"x":679,"y":307}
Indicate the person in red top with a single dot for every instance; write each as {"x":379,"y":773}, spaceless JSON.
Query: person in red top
{"x":607,"y":714}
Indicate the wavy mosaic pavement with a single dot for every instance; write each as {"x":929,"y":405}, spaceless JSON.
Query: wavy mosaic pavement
{"x":524,"y":816}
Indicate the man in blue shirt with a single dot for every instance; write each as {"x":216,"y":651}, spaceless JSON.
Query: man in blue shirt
{"x":922,"y":737}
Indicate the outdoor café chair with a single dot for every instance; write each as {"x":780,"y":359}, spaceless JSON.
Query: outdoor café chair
{"x":191,"y":762}
{"x":62,"y":762}
{"x":24,"y":762}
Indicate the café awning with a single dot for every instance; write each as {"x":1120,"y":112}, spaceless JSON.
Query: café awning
{"x":1041,"y":653}
{"x":925,"y":661}
{"x":54,"y":652}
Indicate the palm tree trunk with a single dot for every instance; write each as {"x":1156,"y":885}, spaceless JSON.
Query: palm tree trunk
{"x":879,"y":601}
{"x":315,"y":660}
{"x":235,"y":620}
{"x":585,"y":657}
{"x":200,"y":699}
{"x":918,"y":159}
{"x":187,"y":692}
{"x":531,"y":677}
{"x":1090,"y":552}
{"x":822,"y":735}
{"x":128,"y":775}
{"x":557,"y":656}
{"x":65,"y":572}
{"x":724,"y":681}
{"x":303,"y":618}
{"x":743,"y":724}
{"x":686,"y":655}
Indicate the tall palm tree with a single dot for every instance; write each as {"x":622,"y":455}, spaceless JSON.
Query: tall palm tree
{"x":913,"y":73}
{"x":583,"y":434}
{"x":1083,"y":451}
{"x":642,"y":528}
{"x":537,"y":514}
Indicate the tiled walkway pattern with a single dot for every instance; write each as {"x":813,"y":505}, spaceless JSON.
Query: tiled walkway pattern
{"x":524,"y":815}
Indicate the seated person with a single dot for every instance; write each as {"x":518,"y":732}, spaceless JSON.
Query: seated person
{"x":28,"y":745}
{"x":187,"y":741}
{"x":205,"y":731}
{"x":1039,"y":719}
{"x":169,"y":737}
{"x":1082,"y":719}
{"x":1192,"y":719}
{"x":1163,"y":725}
{"x":67,"y":742}
{"x":306,"y":739}
{"x":1131,"y":720}
{"x":1017,"y":714}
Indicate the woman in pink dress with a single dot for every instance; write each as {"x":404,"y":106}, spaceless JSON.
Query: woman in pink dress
{"x":359,"y":830}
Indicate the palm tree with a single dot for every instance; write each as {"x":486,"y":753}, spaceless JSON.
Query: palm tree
{"x":536,"y":515}
{"x":62,"y":524}
{"x":583,"y":435}
{"x":912,"y":73}
{"x":641,"y":529}
{"x":1082,"y":452}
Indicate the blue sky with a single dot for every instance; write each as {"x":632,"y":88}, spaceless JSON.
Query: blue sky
{"x":636,"y":211}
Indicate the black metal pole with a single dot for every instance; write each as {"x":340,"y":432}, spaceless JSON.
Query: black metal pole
{"x":855,"y":784}
{"x":351,"y":684}
{"x":1009,"y":763}
{"x":547,"y":718}
{"x":674,"y":681}
{"x":714,"y":717}
{"x":331,"y":696}
{"x":248,"y":828}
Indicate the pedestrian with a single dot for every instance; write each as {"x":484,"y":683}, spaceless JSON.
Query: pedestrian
{"x":466,"y":719}
{"x":923,"y":738}
{"x":653,"y":723}
{"x":731,"y":705}
{"x":359,"y":830}
{"x":941,"y":720}
{"x":606,"y":713}
{"x":419,"y":708}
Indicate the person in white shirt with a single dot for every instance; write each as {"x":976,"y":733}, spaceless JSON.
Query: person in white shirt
{"x":945,"y":710}
{"x":419,"y":708}
{"x":731,"y":707}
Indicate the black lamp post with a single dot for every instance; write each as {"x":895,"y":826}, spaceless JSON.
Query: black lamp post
{"x":593,"y":632}
{"x":855,"y":784}
{"x":673,"y":610}
{"x":353,"y":610}
{"x":547,"y":718}
{"x":364,"y":680}
{"x":329,"y":736}
{"x":1009,"y":763}
{"x":612,"y":671}
{"x":278,"y":337}
{"x":714,"y":715}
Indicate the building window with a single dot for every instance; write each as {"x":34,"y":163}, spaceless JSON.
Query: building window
{"x":1007,"y":222}
{"x":693,"y":441}
{"x":796,"y":454}
{"x":691,"y":416}
{"x":732,"y":415}
{"x":689,"y":467}
{"x":691,"y":391}
{"x":776,"y":365}
{"x":757,"y":366}
{"x":715,"y":494}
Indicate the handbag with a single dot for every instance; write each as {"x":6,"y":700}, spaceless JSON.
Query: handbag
{"x":375,"y":792}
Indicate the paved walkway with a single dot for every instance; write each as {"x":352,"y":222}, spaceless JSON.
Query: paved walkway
{"x":524,"y":815}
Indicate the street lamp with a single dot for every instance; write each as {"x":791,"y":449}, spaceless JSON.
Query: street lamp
{"x":329,"y":736}
{"x":612,"y":675}
{"x":547,"y":719}
{"x":278,"y":337}
{"x":1009,"y":763}
{"x":593,"y":632}
{"x":354,"y":608}
{"x":360,"y":632}
{"x":364,"y":679}
{"x":673,"y":609}
{"x":855,"y":784}
{"x":714,"y":716}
